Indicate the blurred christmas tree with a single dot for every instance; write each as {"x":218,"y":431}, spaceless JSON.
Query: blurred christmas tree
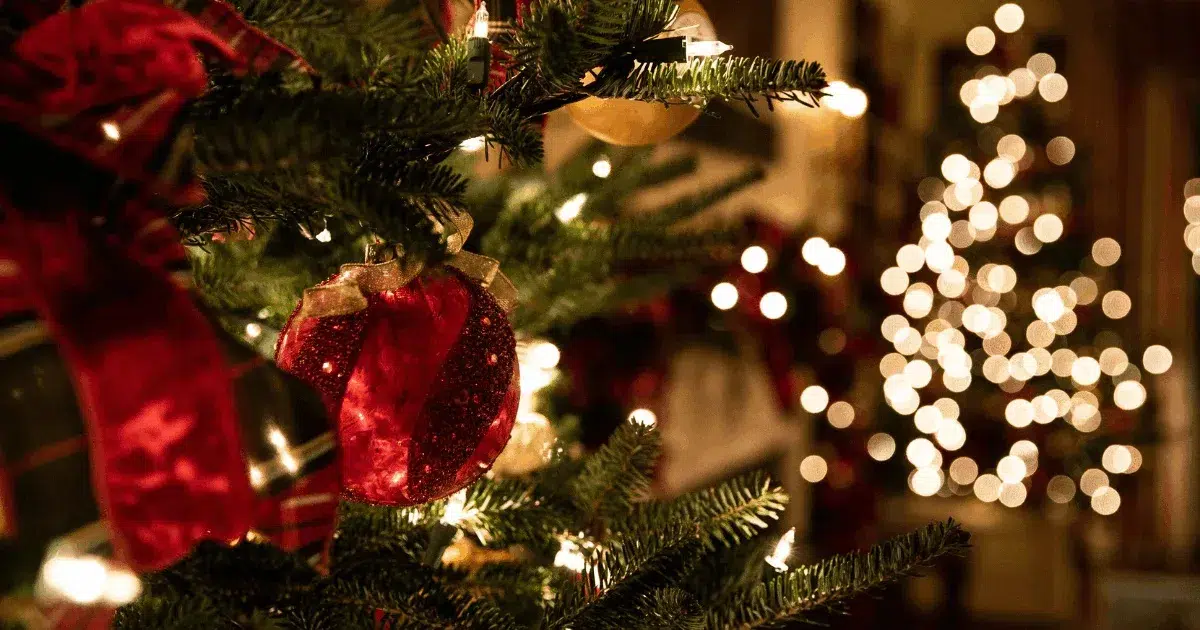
{"x":1010,"y":378}
{"x":315,"y":132}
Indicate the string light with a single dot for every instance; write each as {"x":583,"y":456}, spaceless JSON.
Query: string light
{"x":773,"y":305}
{"x":813,"y":469}
{"x":1010,"y":17}
{"x":707,"y":48}
{"x":1106,"y":501}
{"x":755,"y":259}
{"x":1060,"y":489}
{"x":253,"y":330}
{"x":473,"y":145}
{"x":111,"y":130}
{"x":981,"y":40}
{"x":724,"y":296}
{"x":1157,"y":359}
{"x":544,"y":355}
{"x":324,"y":236}
{"x":86,"y":579}
{"x":832,"y":262}
{"x":602,"y":168}
{"x":644,"y":417}
{"x":814,"y":250}
{"x":814,"y":399}
{"x":481,"y":22}
{"x":783,"y":549}
{"x":1117,"y":459}
{"x":569,"y":556}
{"x":881,"y":447}
{"x":1053,"y":87}
{"x":840,"y":415}
{"x":571,"y":208}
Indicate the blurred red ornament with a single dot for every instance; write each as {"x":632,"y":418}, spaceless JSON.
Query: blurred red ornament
{"x":421,"y":374}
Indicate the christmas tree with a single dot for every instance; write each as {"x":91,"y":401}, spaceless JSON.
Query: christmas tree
{"x":313,"y":132}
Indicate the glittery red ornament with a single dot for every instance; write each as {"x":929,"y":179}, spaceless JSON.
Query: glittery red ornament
{"x":420,"y":373}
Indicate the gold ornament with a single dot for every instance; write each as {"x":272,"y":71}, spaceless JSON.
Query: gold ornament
{"x":637,"y":123}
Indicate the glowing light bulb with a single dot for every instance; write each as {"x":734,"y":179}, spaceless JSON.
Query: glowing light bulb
{"x":833,"y":262}
{"x":324,"y":236}
{"x":707,"y":48}
{"x":724,"y":296}
{"x":456,"y":511}
{"x":544,"y":355}
{"x":644,"y":417}
{"x":602,"y":168}
{"x":571,"y":208}
{"x":814,"y":399}
{"x":78,"y":579}
{"x":783,"y":549}
{"x":569,"y":556}
{"x":111,"y":130}
{"x":481,"y":21}
{"x":755,"y":259}
{"x":773,"y":305}
{"x":472,"y":145}
{"x":1010,"y":17}
{"x":814,"y":250}
{"x":253,"y":330}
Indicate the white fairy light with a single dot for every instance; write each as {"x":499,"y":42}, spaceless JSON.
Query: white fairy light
{"x":724,"y":296}
{"x":707,"y":48}
{"x":481,"y":22}
{"x":571,"y":208}
{"x":602,"y":168}
{"x":456,"y":512}
{"x":773,"y":305}
{"x":755,"y":259}
{"x":569,"y":556}
{"x":783,"y":549}
{"x":473,"y":145}
{"x":644,"y":417}
{"x":111,"y":130}
{"x":324,"y":236}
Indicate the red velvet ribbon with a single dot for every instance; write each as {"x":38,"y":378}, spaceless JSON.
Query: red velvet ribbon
{"x":105,"y":82}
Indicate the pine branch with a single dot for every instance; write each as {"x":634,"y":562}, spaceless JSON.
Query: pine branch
{"x":619,"y":474}
{"x":839,"y":579}
{"x":729,"y":78}
{"x":730,"y":513}
{"x":509,"y":512}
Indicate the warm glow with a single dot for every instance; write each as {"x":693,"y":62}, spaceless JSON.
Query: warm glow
{"x":1061,"y":489}
{"x":987,"y":488}
{"x":999,"y":173}
{"x":1116,"y":304}
{"x":1085,"y":371}
{"x":881,"y":447}
{"x":1041,"y":65}
{"x":1010,"y":17}
{"x":814,"y":399}
{"x":644,"y":417}
{"x":936,"y":227}
{"x":1048,"y":228}
{"x":111,"y":130}
{"x":813,"y":469}
{"x":964,"y":471}
{"x":783,"y":549}
{"x":724,"y":296}
{"x":926,"y":482}
{"x":1014,"y":209}
{"x":1092,"y":480}
{"x":1053,"y":87}
{"x":1106,"y":252}
{"x":473,"y":145}
{"x":981,"y":40}
{"x":1106,"y":501}
{"x":840,"y":415}
{"x":1060,"y":151}
{"x":571,"y":208}
{"x":1024,"y":82}
{"x":1013,"y":494}
{"x":755,"y":259}
{"x":921,"y":452}
{"x":1157,"y":359}
{"x":1117,"y":459}
{"x":544,"y":355}
{"x":956,"y":168}
{"x":1011,"y":148}
{"x":569,"y":556}
{"x":893,"y":281}
{"x":773,"y":305}
{"x":1048,"y":305}
{"x":602,"y":168}
{"x":481,"y":21}
{"x":456,"y":512}
{"x":1011,"y":469}
{"x":832,"y":262}
{"x":1129,"y":395}
{"x":814,"y":250}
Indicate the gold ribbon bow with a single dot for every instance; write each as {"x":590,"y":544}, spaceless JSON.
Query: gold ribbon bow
{"x":347,"y":293}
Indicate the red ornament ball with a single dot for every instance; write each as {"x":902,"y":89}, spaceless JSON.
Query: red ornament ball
{"x":421,"y":376}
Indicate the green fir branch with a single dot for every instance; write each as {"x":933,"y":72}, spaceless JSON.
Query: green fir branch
{"x":729,"y":78}
{"x":618,"y":475}
{"x":835,"y":581}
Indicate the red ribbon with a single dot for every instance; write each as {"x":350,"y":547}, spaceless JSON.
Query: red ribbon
{"x":105,"y":82}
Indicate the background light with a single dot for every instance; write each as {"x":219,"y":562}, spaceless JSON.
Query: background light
{"x":602,"y":168}
{"x":981,"y":40}
{"x":1010,"y":17}
{"x":755,"y":259}
{"x":724,"y":296}
{"x":773,"y":305}
{"x":813,"y":468}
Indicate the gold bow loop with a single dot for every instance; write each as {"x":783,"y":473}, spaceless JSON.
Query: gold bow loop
{"x":347,"y":293}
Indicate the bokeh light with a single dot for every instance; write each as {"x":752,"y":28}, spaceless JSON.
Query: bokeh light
{"x":813,"y":468}
{"x":881,"y":447}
